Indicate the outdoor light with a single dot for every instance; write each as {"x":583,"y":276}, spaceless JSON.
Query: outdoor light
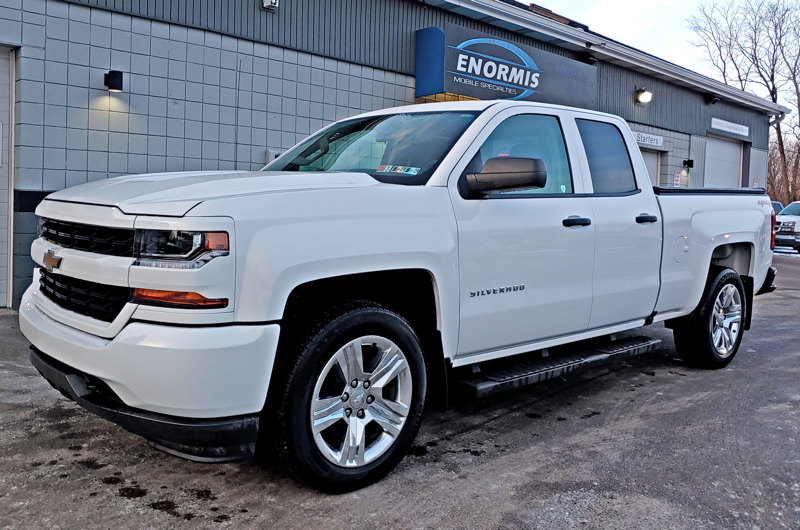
{"x":711,"y":99}
{"x":688,"y":163}
{"x":269,"y":5}
{"x":113,"y":80}
{"x":643,"y":95}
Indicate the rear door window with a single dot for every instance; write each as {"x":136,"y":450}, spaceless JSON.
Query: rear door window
{"x":609,"y":161}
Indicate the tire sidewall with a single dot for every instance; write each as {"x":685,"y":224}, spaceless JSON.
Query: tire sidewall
{"x":317,"y":469}
{"x":703,"y":319}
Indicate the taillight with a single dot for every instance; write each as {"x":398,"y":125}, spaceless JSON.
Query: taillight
{"x":772,"y":240}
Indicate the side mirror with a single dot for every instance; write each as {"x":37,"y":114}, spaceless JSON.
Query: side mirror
{"x":507,"y":173}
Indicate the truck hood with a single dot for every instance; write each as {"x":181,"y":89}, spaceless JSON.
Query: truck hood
{"x":788,"y":218}
{"x":174,"y":194}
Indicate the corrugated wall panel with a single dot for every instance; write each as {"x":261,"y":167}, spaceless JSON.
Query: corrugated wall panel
{"x":673,"y":107}
{"x":697,"y":152}
{"x":378,"y":33}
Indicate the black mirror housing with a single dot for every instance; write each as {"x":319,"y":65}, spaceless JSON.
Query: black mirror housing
{"x":508,"y":173}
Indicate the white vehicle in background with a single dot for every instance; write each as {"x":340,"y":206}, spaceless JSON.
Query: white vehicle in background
{"x":318,"y":306}
{"x":787,"y":227}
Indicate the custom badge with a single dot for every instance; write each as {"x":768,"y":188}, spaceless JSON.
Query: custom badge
{"x":51,"y":261}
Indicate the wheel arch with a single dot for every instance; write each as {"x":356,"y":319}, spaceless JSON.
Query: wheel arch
{"x":739,"y":258}
{"x":412,"y":293}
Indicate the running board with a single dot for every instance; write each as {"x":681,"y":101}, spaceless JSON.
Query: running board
{"x":497,"y":379}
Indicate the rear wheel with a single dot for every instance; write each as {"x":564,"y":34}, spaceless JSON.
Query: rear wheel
{"x":711,"y":335}
{"x":352,"y":399}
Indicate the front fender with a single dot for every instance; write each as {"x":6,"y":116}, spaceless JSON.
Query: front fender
{"x":289,"y":239}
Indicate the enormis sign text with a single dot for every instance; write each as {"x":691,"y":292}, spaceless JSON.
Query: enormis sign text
{"x":460,"y":61}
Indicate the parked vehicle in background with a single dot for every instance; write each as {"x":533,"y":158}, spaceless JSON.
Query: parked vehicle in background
{"x":317,"y":306}
{"x":777,"y":206}
{"x":787,"y":227}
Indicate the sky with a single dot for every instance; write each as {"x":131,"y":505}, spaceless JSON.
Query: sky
{"x":658,"y":27}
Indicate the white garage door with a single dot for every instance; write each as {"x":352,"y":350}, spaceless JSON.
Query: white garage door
{"x":723,"y":163}
{"x":652,"y":160}
{"x":5,"y":129}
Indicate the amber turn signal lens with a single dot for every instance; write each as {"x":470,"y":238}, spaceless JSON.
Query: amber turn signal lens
{"x":217,"y":241}
{"x":178,"y":299}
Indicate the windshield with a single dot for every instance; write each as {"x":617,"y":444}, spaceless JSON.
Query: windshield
{"x":396,"y":148}
{"x":792,"y":209}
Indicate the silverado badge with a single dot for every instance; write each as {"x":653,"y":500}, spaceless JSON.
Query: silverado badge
{"x":51,"y":261}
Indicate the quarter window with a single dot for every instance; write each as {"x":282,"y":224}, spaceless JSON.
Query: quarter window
{"x":609,"y":162}
{"x":529,"y":136}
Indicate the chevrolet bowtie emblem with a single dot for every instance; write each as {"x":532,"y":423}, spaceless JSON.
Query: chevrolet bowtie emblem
{"x":51,"y":261}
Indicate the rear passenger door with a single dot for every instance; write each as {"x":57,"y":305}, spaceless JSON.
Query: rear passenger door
{"x":628,"y":232}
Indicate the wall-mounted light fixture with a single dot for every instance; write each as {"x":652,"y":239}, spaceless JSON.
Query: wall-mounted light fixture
{"x":688,"y":163}
{"x":269,"y":5}
{"x":643,"y":96}
{"x":113,"y":80}
{"x":711,"y":99}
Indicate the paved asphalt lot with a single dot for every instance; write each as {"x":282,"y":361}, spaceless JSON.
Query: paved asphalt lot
{"x":642,"y":443}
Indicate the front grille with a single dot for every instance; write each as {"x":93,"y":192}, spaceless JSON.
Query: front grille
{"x":89,"y":238}
{"x":96,"y":300}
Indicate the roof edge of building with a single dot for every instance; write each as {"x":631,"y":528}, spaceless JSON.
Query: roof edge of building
{"x":510,"y":17}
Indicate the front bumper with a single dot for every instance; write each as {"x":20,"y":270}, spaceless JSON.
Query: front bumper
{"x":787,"y":239}
{"x":166,"y":381}
{"x":214,"y":440}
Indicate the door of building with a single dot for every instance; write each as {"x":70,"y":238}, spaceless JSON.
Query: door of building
{"x":5,"y":132}
{"x":723,"y":167}
{"x":652,"y":159}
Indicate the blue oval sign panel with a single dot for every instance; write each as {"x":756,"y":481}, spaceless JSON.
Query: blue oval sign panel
{"x":461,"y":61}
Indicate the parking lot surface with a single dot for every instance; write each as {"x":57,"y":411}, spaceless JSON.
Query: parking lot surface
{"x":643,"y":443}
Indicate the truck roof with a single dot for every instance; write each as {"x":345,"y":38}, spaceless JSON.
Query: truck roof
{"x":479,"y":105}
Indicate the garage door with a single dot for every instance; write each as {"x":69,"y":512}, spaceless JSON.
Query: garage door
{"x":652,"y":160}
{"x":723,"y":168}
{"x":5,"y":128}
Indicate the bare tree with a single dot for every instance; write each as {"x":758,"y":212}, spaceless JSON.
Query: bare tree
{"x":755,"y":46}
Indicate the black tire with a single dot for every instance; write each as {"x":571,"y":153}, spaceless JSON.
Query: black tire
{"x":307,"y":353}
{"x":693,"y":335}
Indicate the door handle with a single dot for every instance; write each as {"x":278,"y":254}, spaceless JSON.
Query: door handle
{"x":646,"y":218}
{"x":576,"y":221}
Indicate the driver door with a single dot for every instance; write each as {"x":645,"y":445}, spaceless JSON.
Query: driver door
{"x":525,"y":276}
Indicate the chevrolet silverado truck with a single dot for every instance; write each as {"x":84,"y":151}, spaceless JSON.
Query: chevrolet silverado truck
{"x":313,"y":309}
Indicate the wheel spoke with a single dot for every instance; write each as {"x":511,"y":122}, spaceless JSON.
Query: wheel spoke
{"x":326,"y":412}
{"x":718,"y":338}
{"x":389,"y":415}
{"x":390,"y":365}
{"x":354,"y":444}
{"x":351,"y":361}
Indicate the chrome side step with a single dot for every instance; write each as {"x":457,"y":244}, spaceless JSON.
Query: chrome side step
{"x":499,"y":378}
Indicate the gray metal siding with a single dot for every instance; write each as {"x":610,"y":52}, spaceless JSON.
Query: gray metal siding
{"x":697,"y":152}
{"x":673,"y":107}
{"x":377,"y":33}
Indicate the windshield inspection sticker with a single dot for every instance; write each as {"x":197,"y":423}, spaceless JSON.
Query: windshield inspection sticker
{"x":406,"y":170}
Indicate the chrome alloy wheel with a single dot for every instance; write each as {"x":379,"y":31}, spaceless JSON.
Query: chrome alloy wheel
{"x":361,"y":401}
{"x":726,"y":320}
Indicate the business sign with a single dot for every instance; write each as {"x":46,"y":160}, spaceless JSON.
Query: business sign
{"x":733,"y":128}
{"x":461,"y":61}
{"x":649,"y":140}
{"x":676,"y":178}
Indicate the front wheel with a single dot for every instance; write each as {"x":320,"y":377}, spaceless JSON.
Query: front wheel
{"x":352,"y":399}
{"x":711,"y":335}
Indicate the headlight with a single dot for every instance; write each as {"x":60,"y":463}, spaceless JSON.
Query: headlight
{"x":787,"y":226}
{"x":175,"y":249}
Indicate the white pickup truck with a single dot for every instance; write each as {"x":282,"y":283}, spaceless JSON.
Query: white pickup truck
{"x":317,"y":306}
